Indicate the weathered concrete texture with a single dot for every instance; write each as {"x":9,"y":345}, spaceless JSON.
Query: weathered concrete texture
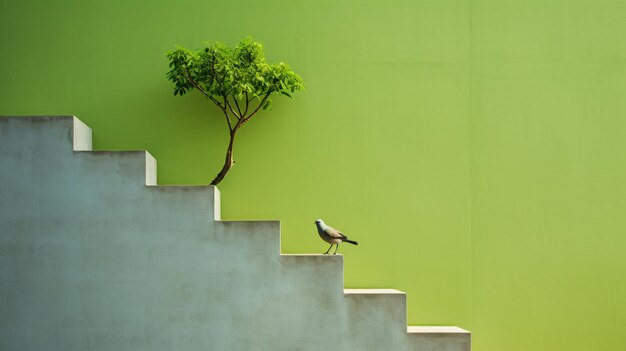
{"x":93,"y":259}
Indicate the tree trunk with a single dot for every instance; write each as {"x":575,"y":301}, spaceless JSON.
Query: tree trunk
{"x":228,"y":163}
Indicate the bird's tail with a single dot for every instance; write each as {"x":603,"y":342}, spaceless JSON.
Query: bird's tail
{"x":350,"y":241}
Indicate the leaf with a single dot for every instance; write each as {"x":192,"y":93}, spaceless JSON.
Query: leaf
{"x":224,"y":71}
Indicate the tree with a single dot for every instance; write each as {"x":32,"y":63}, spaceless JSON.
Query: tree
{"x":238,"y":81}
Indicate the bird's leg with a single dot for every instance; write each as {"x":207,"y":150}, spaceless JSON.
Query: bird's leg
{"x":336,"y":247}
{"x":326,"y":253}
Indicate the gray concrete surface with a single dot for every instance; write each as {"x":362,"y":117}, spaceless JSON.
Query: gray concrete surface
{"x":93,"y":256}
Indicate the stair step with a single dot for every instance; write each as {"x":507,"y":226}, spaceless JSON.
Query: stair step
{"x":81,"y":135}
{"x":379,"y":307}
{"x":327,"y":269}
{"x":436,"y":338}
{"x":102,"y":241}
{"x":436,"y":330}
{"x":150,"y":163}
{"x":312,"y":257}
{"x":263,"y":236}
{"x":201,"y":199}
{"x":373,"y":292}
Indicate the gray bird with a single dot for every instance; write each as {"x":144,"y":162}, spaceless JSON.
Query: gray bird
{"x":331,"y":236}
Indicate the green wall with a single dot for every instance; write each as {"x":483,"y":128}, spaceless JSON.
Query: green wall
{"x":473,"y":148}
{"x":548,"y":173}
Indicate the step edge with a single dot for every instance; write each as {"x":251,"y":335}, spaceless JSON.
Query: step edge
{"x":82,"y":135}
{"x":436,"y":330}
{"x":310,"y":255}
{"x":373,"y":292}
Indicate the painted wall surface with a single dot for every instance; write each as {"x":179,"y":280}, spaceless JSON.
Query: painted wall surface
{"x":473,"y":148}
{"x":548,"y":126}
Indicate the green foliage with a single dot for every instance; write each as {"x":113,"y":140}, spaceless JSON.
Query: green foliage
{"x":241,"y":74}
{"x":238,"y":81}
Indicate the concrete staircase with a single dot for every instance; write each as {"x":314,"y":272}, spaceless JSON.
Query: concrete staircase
{"x":95,"y":256}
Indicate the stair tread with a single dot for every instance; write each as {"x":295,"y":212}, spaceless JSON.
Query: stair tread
{"x":372,"y":291}
{"x":436,"y":330}
{"x":309,"y":255}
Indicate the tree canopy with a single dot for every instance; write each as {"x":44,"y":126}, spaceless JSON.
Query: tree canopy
{"x":232,"y":78}
{"x":237,"y":80}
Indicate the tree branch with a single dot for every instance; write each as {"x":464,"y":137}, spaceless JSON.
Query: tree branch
{"x":247,"y":101}
{"x":257,"y":108}
{"x":197,"y":86}
{"x":231,"y":108}
{"x":237,"y":104}
{"x":193,"y":82}
{"x":217,"y":103}
{"x":230,"y":128}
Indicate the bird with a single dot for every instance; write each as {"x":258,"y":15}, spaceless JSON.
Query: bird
{"x":331,"y":236}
